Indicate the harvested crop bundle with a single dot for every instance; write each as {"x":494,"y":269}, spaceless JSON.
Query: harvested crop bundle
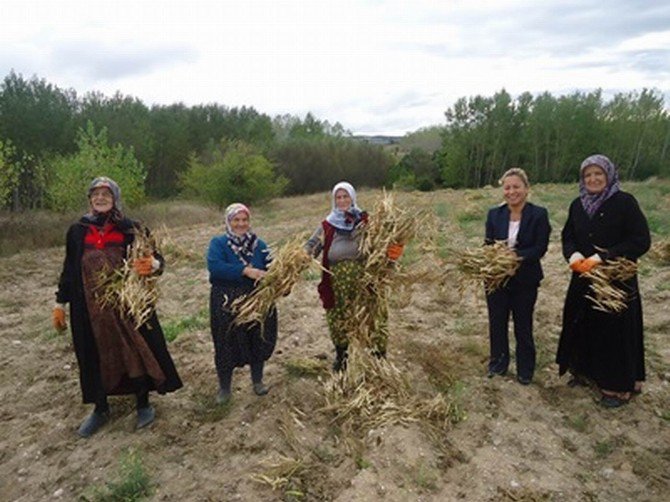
{"x":660,"y":251}
{"x":493,"y":265}
{"x":133,"y":295}
{"x":288,"y":264}
{"x":606,"y":285}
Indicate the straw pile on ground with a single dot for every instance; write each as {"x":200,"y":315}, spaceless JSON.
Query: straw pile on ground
{"x":492,"y":265}
{"x":606,"y":285}
{"x":288,"y":264}
{"x":133,"y":295}
{"x":372,"y":392}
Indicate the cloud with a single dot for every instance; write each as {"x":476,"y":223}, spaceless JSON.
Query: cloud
{"x":95,"y":61}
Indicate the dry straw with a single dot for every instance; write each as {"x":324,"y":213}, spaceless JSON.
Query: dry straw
{"x":492,"y":264}
{"x":133,"y":295}
{"x":606,"y":284}
{"x":660,"y":251}
{"x":286,"y":268}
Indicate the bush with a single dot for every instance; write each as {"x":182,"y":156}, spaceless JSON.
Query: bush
{"x":70,"y":176}
{"x":232,"y":172}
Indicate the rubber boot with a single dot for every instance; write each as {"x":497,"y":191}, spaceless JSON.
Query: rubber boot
{"x":93,"y":423}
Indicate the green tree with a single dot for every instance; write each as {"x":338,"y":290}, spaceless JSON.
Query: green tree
{"x":232,"y":172}
{"x":71,"y":175}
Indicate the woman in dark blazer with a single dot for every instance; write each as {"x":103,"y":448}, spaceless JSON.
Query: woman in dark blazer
{"x":606,"y":348}
{"x":525,"y":227}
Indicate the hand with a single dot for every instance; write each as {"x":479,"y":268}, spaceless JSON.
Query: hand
{"x":58,"y":318}
{"x":588,"y":264}
{"x":143,"y":266}
{"x":394,"y":251}
{"x":253,"y":273}
{"x":575,"y":261}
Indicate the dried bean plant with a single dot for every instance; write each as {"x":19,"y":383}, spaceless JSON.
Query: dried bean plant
{"x":133,"y":295}
{"x":287,"y":265}
{"x":492,"y":265}
{"x":609,"y":294}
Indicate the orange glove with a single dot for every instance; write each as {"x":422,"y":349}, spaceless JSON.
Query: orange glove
{"x":143,"y":266}
{"x":587,"y":264}
{"x":394,"y":251}
{"x":576,"y":265}
{"x":58,"y":319}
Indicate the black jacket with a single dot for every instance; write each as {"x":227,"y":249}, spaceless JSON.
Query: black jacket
{"x":532,"y":240}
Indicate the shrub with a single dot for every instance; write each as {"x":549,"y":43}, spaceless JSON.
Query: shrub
{"x":233,"y":171}
{"x":70,"y":176}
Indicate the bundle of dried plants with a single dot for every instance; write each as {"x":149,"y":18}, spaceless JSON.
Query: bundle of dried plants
{"x":287,"y":265}
{"x":660,"y":251}
{"x":492,"y":264}
{"x":609,"y":294}
{"x":133,"y":295}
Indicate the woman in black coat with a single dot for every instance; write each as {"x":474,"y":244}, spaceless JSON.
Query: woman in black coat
{"x":114,"y":357}
{"x":525,"y":227}
{"x":607,"y":348}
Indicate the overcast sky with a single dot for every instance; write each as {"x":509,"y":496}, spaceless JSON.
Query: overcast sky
{"x":376,"y":66}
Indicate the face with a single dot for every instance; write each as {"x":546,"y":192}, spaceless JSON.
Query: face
{"x":240,"y":223}
{"x":595,"y":179}
{"x":515,"y":191}
{"x":101,"y":200}
{"x":342,"y":199}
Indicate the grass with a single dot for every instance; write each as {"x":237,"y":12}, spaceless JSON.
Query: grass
{"x":173,"y":328}
{"x":580,"y":423}
{"x":133,"y":483}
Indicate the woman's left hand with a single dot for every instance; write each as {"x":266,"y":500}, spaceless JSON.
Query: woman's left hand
{"x":588,"y":264}
{"x":144,"y":266}
{"x":394,"y":251}
{"x":253,"y":273}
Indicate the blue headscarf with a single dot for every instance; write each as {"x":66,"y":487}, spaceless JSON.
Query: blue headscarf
{"x":348,"y":219}
{"x":591,"y":202}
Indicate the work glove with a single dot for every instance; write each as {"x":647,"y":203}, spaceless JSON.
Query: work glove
{"x":58,"y":318}
{"x":575,"y":261}
{"x":394,"y":251}
{"x":144,"y":266}
{"x":589,"y":263}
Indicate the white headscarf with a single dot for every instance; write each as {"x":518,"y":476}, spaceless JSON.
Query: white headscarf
{"x":348,"y":219}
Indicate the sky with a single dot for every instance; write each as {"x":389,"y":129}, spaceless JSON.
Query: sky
{"x":374,"y":66}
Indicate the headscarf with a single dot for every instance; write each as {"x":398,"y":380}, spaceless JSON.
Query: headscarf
{"x":114,"y":215}
{"x":593,"y":201}
{"x":242,"y":245}
{"x":348,"y":219}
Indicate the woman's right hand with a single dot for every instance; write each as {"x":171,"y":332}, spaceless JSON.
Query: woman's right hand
{"x":58,"y":318}
{"x":253,"y":273}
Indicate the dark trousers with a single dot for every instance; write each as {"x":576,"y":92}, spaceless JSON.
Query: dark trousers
{"x":520,"y":301}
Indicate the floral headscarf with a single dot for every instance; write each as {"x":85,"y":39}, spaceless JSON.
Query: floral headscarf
{"x":345,"y":220}
{"x":242,"y":245}
{"x":593,"y":201}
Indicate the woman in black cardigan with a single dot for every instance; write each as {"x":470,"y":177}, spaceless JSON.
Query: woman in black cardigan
{"x":114,"y":357}
{"x":525,"y":227}
{"x":606,"y":348}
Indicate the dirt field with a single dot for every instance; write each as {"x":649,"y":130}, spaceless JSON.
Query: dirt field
{"x":542,"y":442}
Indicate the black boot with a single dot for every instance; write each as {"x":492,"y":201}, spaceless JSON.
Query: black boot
{"x":341,"y":355}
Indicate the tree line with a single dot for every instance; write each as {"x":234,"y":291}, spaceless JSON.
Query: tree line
{"x":50,"y":137}
{"x":548,"y":136}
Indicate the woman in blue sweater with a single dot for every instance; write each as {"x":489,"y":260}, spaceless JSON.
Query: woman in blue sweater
{"x":236,"y":260}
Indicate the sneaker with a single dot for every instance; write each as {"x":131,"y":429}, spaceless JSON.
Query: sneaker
{"x":145,"y":416}
{"x":92,"y":424}
{"x":260,"y":389}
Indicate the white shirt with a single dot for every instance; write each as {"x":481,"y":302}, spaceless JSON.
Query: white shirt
{"x":512,"y":233}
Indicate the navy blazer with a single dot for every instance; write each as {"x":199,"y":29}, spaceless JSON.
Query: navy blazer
{"x":532,"y":240}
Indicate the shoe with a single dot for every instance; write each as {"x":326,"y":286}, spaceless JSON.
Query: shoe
{"x":145,"y":416}
{"x":612,"y":402}
{"x":92,"y":423}
{"x":577,"y":381}
{"x":223,"y":397}
{"x":260,"y":389}
{"x":523,"y":380}
{"x":492,"y":373}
